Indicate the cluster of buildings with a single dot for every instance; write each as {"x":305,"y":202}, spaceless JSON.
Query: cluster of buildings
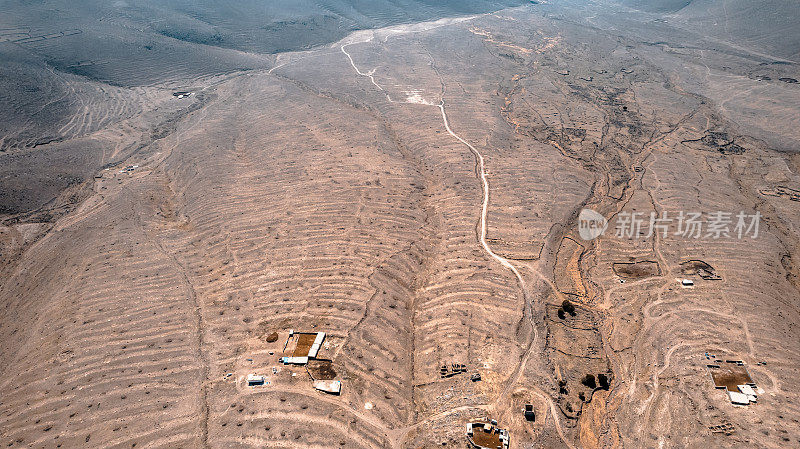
{"x":129,"y":169}
{"x":732,"y":377}
{"x":303,"y":347}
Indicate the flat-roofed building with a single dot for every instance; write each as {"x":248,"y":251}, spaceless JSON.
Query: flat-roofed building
{"x":738,"y":398}
{"x":749,"y":392}
{"x":254,"y":380}
{"x":328,"y":386}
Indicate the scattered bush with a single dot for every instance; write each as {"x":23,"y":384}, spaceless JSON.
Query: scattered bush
{"x":589,"y":381}
{"x":568,"y":307}
{"x":561,"y":313}
{"x":602,"y":379}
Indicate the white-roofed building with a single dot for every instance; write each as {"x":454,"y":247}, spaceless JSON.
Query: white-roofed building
{"x":748,"y":391}
{"x":738,"y":398}
{"x":254,"y":380}
{"x":328,"y":386}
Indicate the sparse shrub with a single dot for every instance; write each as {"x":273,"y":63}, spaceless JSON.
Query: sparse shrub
{"x":561,"y":313}
{"x":589,"y":381}
{"x":568,"y":307}
{"x":602,"y":379}
{"x":582,"y":396}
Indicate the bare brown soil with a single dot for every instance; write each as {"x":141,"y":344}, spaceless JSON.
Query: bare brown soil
{"x":699,"y":268}
{"x":486,"y":439}
{"x":413,"y":192}
{"x":321,"y":370}
{"x":636,"y":270}
{"x":730,"y":376}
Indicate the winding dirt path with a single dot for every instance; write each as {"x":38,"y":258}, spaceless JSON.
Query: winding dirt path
{"x":369,"y":74}
{"x":514,"y":378}
{"x":506,"y":263}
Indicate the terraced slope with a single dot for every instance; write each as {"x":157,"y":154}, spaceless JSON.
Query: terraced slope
{"x":414,"y":192}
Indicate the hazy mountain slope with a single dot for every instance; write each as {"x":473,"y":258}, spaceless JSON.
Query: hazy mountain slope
{"x":141,"y":42}
{"x":769,"y":26}
{"x":68,"y":69}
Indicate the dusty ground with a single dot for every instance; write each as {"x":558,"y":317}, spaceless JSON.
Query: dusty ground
{"x":413,"y":192}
